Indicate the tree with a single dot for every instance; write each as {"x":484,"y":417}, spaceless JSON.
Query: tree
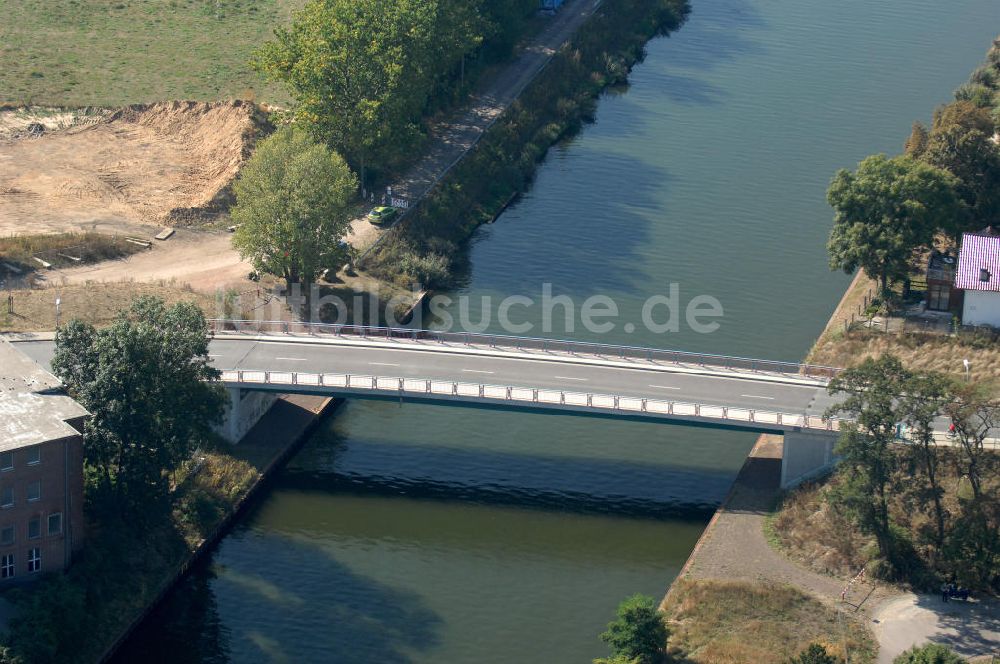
{"x":930,"y":653}
{"x":152,"y":395}
{"x":293,"y":207}
{"x":973,"y":545}
{"x":925,"y":397}
{"x":639,"y":632}
{"x":971,"y":156}
{"x":885,"y":210}
{"x":867,"y":462}
{"x":916,"y":143}
{"x":362,"y":71}
{"x":814,"y":654}
{"x":975,"y":414}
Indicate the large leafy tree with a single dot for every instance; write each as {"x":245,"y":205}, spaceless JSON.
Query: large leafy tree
{"x":969,"y":153}
{"x":885,"y":210}
{"x":638,"y":633}
{"x":361,"y":71}
{"x":152,"y":395}
{"x":293,"y":207}
{"x":870,"y":403}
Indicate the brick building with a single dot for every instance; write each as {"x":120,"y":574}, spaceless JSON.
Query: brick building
{"x":41,"y":470}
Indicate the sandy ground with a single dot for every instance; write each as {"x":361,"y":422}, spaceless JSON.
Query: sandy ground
{"x":139,"y":164}
{"x":206,"y":261}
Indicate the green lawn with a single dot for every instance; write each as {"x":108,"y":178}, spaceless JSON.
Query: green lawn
{"x":113,"y":52}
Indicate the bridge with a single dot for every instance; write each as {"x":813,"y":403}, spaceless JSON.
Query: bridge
{"x":260,"y":360}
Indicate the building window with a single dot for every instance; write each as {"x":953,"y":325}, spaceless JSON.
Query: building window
{"x":6,"y":460}
{"x":34,"y":491}
{"x":55,"y":523}
{"x":7,"y":498}
{"x":7,"y":535}
{"x":34,"y":455}
{"x":7,"y":566}
{"x":35,"y":528}
{"x":34,"y":559}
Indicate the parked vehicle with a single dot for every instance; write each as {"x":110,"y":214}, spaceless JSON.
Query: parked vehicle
{"x":382,"y":215}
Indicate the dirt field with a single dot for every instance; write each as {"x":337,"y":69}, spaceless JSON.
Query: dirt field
{"x":138,"y":165}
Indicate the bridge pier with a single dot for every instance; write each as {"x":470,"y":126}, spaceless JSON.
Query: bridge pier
{"x":806,"y":454}
{"x":244,"y":409}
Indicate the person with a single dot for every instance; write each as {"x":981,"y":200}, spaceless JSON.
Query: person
{"x":944,"y":592}
{"x":951,"y":429}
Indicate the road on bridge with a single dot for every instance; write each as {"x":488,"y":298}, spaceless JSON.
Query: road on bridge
{"x":712,"y":386}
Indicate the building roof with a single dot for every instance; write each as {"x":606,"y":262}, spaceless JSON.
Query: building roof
{"x":979,"y":263}
{"x":33,"y":408}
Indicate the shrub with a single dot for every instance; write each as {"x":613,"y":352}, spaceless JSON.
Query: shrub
{"x":814,"y":654}
{"x":980,"y":95}
{"x":930,"y":653}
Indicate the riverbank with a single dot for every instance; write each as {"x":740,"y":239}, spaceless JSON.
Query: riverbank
{"x":558,"y":101}
{"x":275,"y":438}
{"x":87,"y":613}
{"x":733,"y":559}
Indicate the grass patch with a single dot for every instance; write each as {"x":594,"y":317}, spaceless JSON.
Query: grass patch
{"x":62,"y":249}
{"x":100,"y":53}
{"x":738,"y":622}
{"x":96,"y":303}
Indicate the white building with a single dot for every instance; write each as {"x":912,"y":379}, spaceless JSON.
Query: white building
{"x":978,"y":276}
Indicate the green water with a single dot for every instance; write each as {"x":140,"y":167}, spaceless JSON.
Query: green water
{"x":435,"y":534}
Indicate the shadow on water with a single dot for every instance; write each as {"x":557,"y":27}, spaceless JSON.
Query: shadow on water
{"x":620,"y":221}
{"x":329,"y":613}
{"x":568,"y":484}
{"x":716,"y":32}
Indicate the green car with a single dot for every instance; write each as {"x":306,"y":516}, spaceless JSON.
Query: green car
{"x":382,"y":215}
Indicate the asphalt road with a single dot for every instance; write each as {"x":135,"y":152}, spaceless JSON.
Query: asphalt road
{"x":663,"y":382}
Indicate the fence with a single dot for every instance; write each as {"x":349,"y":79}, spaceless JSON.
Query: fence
{"x":392,"y":386}
{"x":527,"y":344}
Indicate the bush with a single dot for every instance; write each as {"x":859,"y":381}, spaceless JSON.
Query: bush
{"x":814,"y":654}
{"x":985,"y":76}
{"x":930,"y":653}
{"x":639,"y":633}
{"x":980,"y":95}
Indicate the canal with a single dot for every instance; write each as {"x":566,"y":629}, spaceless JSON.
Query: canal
{"x":434,"y":534}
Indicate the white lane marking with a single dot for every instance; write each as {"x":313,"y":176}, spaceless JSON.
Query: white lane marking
{"x":215,"y":356}
{"x":756,"y":396}
{"x":568,"y":378}
{"x":665,"y":387}
{"x":477,"y":371}
{"x":383,"y":364}
{"x":292,"y":359}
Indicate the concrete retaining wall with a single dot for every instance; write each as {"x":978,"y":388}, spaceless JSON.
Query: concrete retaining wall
{"x":806,"y":455}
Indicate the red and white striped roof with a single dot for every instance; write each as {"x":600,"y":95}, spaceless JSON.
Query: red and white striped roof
{"x":979,"y":252}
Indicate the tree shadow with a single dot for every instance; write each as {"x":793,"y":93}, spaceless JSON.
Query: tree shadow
{"x":327,"y":611}
{"x":967,"y":627}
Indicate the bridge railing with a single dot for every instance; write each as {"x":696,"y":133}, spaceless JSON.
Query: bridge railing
{"x":525,"y":344}
{"x":391,"y":386}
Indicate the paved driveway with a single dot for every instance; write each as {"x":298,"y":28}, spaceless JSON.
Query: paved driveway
{"x":969,"y":628}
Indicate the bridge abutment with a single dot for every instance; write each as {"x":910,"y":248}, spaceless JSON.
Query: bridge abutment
{"x":806,"y":454}
{"x":244,"y":409}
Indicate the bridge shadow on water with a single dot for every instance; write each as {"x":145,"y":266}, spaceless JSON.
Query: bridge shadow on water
{"x":567,"y":484}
